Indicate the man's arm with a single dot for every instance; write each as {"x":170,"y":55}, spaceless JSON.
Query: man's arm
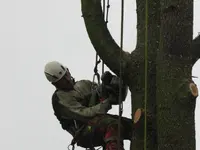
{"x":72,"y":108}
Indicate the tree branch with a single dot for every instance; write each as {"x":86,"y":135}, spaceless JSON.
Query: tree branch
{"x":104,"y":44}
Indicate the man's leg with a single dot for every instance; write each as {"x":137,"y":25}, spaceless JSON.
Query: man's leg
{"x":109,"y":127}
{"x":111,"y":138}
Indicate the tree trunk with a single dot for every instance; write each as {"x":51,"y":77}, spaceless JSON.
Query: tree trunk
{"x":171,"y":92}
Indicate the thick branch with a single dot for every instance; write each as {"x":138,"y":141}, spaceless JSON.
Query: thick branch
{"x":195,"y":49}
{"x":100,"y":37}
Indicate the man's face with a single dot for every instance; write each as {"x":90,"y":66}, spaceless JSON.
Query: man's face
{"x":67,"y":81}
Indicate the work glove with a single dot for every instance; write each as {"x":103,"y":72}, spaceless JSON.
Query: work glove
{"x":105,"y":106}
{"x":115,"y":81}
{"x":106,"y":77}
{"x":110,"y":82}
{"x":110,"y":87}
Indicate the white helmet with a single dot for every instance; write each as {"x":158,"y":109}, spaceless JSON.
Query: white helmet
{"x":54,"y":71}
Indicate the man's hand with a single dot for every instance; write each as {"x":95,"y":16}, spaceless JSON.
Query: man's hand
{"x":106,"y":77}
{"x":110,"y":82}
{"x":111,"y":87}
{"x":105,"y":106}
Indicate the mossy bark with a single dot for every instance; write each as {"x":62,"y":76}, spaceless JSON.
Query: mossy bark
{"x":170,"y":98}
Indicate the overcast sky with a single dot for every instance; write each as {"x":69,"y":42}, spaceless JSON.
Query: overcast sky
{"x":35,"y":32}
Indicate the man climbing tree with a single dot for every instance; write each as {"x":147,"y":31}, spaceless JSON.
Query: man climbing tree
{"x":81,"y":107}
{"x":158,"y":71}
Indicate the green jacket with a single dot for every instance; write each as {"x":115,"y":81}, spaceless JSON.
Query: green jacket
{"x":74,"y":104}
{"x":71,"y":107}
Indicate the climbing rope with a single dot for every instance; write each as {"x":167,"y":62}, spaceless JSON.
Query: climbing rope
{"x":146,"y":74}
{"x":120,"y":73}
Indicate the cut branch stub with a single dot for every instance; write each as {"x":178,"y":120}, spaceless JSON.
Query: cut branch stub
{"x":139,"y":123}
{"x":186,"y":92}
{"x":193,"y":89}
{"x":137,"y":115}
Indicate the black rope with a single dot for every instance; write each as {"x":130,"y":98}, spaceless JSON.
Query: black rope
{"x":120,"y":74}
